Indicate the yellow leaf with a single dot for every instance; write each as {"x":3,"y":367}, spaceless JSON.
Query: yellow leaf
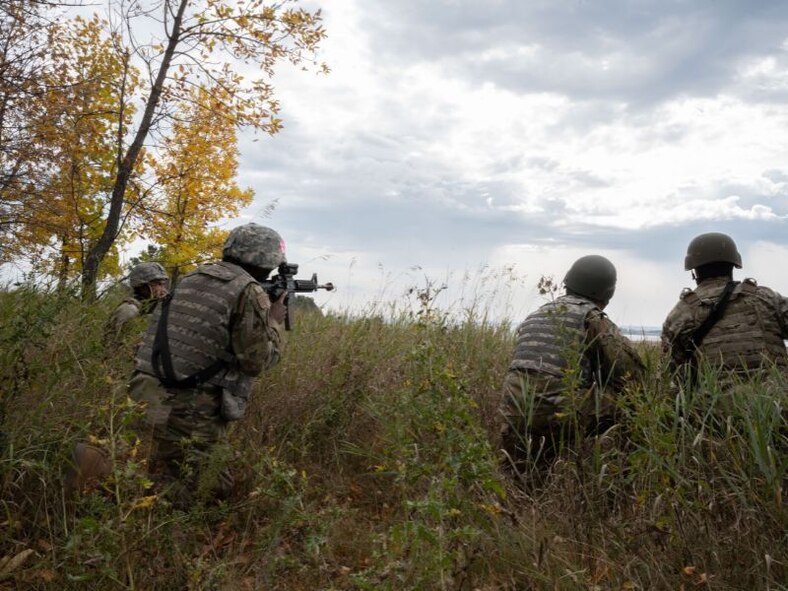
{"x":493,"y":509}
{"x":144,"y":502}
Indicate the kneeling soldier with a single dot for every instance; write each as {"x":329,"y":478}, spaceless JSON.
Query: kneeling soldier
{"x":569,"y":363}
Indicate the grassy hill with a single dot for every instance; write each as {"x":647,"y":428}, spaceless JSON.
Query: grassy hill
{"x":367,"y":460}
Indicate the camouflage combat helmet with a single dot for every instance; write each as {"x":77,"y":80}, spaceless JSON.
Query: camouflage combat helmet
{"x":712,"y":247}
{"x":144,"y":273}
{"x":256,"y":245}
{"x":592,"y":276}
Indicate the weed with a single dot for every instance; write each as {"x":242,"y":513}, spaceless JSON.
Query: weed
{"x":366,"y":461}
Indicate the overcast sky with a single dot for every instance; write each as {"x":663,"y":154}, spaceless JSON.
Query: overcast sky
{"x":456,"y":135}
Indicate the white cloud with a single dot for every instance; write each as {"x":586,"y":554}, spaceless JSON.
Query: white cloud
{"x":681,"y":212}
{"x":765,"y":262}
{"x":442,"y":141}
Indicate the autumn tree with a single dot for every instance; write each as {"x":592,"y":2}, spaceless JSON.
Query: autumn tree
{"x":229,"y":47}
{"x":62,"y":121}
{"x":195,"y":175}
{"x":81,"y":120}
{"x":23,"y":58}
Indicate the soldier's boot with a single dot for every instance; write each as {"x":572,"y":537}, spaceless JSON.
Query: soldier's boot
{"x":90,"y":466}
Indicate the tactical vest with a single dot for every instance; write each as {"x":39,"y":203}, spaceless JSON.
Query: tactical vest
{"x":549,"y":337}
{"x":198,"y":327}
{"x":747,"y":336}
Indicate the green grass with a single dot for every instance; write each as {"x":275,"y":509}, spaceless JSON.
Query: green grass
{"x":367,"y":460}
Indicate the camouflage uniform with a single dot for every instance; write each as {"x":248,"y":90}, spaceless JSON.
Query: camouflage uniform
{"x":749,"y":335}
{"x":218,"y":311}
{"x":570,"y":361}
{"x":125,"y":327}
{"x":91,"y":463}
{"x":143,"y":274}
{"x":124,"y":313}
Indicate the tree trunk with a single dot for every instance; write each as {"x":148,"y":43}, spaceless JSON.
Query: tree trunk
{"x":109,"y":235}
{"x":62,"y":281}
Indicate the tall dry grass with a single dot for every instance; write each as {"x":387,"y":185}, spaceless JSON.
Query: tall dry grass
{"x":367,"y":461}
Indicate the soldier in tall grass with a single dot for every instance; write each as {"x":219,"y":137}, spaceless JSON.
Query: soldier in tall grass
{"x":203,"y":349}
{"x":90,"y":464}
{"x":735,"y":328}
{"x":149,"y":284}
{"x":570,"y":362}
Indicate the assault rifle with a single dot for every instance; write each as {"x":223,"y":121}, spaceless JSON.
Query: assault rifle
{"x":285,"y":282}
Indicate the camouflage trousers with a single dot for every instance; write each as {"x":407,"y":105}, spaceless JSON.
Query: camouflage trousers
{"x":539,"y":417}
{"x":188,"y":454}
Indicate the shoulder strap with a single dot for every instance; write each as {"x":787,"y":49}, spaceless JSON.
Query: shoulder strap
{"x":162,"y":358}
{"x":716,"y":313}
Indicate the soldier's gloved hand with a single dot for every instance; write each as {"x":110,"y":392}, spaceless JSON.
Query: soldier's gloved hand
{"x":278,"y":310}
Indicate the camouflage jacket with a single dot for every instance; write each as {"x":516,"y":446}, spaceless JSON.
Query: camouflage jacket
{"x":749,"y":334}
{"x":256,"y":339}
{"x":614,"y":358}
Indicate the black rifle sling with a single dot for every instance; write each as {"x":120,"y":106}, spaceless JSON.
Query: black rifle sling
{"x":162,"y":358}
{"x":717,"y":310}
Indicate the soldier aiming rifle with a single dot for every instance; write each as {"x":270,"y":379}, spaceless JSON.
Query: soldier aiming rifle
{"x":203,"y":351}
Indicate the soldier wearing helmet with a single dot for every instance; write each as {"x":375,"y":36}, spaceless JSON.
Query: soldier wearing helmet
{"x":737,"y":327}
{"x":149,"y":283}
{"x":569,"y":361}
{"x":90,"y":463}
{"x":204,"y":347}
